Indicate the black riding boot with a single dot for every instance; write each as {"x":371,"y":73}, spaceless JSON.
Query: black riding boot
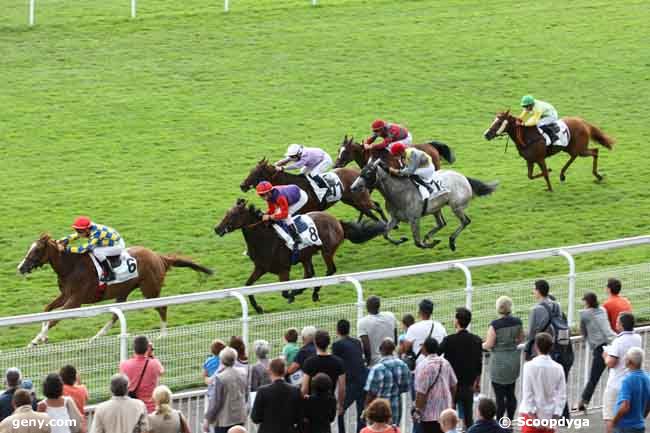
{"x":550,"y":131}
{"x":109,"y":275}
{"x":293,"y":232}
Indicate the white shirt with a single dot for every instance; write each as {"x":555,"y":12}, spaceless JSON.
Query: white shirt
{"x":544,"y":388}
{"x":619,"y":347}
{"x":377,"y":327}
{"x":418,"y":332}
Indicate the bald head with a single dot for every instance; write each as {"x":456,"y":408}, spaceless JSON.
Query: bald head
{"x":237,"y":429}
{"x":448,"y":420}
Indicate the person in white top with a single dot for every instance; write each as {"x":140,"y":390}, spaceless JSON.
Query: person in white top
{"x":544,"y":387}
{"x":374,"y":328}
{"x":59,"y":408}
{"x":418,"y":332}
{"x":614,"y":355}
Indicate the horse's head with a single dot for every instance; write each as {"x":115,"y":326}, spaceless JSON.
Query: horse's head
{"x":368,"y":176}
{"x":38,"y":254}
{"x":346,"y":152}
{"x":499,"y":125}
{"x":237,"y":217}
{"x":262,"y":171}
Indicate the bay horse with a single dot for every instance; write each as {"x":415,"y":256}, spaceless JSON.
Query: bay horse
{"x":359,"y":200}
{"x":270,"y":254}
{"x":531,"y":144}
{"x":78,"y":280}
{"x":352,"y":151}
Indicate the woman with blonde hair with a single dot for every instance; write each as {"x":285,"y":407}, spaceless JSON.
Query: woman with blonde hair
{"x":379,"y":416}
{"x":165,"y":419}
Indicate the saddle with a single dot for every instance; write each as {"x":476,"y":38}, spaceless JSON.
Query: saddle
{"x":115,"y":261}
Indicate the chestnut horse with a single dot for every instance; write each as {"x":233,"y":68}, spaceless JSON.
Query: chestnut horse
{"x":359,"y":200}
{"x":531,"y":144}
{"x":78,"y":280}
{"x":270,"y":254}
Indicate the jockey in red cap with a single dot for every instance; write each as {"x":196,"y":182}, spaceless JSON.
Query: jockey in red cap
{"x":391,"y":133}
{"x":417,"y":165}
{"x":284,"y":201}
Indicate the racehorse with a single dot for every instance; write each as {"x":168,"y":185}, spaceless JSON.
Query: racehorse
{"x":270,"y":254}
{"x":79,"y":283}
{"x":359,"y":200}
{"x":404,"y":202}
{"x":532,"y":145}
{"x":352,"y":151}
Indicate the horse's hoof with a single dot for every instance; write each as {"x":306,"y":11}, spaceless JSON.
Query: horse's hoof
{"x":403,"y":239}
{"x":433,"y":243}
{"x":291,"y":299}
{"x":259,"y":310}
{"x":562,"y":178}
{"x":315,"y":297}
{"x":452,"y":244}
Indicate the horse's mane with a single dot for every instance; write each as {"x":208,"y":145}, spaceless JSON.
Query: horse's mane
{"x":255,"y":211}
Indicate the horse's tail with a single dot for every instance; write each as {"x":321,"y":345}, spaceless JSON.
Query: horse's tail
{"x":600,"y":136}
{"x":444,"y":151}
{"x":181,"y":262}
{"x":358,"y":233}
{"x":481,"y":188}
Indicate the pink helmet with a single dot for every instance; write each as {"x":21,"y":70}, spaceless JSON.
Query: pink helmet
{"x":81,"y":223}
{"x":397,"y":148}
{"x":263,"y":187}
{"x":378,"y":124}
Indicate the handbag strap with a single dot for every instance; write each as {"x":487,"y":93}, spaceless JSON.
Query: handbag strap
{"x":141,"y":375}
{"x":434,"y":381}
{"x":433,"y":324}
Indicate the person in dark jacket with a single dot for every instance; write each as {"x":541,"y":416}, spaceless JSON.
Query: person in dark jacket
{"x":486,"y":423}
{"x":320,"y":406}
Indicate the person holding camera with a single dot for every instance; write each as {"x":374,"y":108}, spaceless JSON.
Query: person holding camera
{"x":143,"y":371}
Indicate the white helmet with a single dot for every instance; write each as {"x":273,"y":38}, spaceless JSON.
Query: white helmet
{"x":294,"y":150}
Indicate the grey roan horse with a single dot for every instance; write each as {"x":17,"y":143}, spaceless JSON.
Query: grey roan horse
{"x":404,"y":202}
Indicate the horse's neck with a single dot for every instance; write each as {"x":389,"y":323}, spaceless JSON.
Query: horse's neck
{"x":360,"y":156}
{"x":394,"y":189}
{"x":283,"y":178}
{"x":60,"y":261}
{"x":260,"y":239}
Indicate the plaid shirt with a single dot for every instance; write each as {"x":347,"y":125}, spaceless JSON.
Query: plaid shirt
{"x":438,"y":396}
{"x":388,"y":379}
{"x":100,"y":236}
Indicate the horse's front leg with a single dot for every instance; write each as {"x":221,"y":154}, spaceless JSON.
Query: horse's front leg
{"x":255,"y":275}
{"x":440,"y":223}
{"x":390,"y":226}
{"x":545,"y":171}
{"x":72,"y":302}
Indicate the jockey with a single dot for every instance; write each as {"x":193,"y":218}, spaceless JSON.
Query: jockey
{"x":541,"y":114}
{"x":283,"y":201}
{"x":310,"y":160}
{"x":392,"y":133}
{"x":103,"y":242}
{"x":417,"y":164}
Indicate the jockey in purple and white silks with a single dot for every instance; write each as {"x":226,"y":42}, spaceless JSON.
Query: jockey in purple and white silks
{"x":310,"y":160}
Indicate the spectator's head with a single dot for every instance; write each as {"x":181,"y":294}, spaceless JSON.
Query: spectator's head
{"x":53,"y":386}
{"x":541,"y":289}
{"x":237,"y":343}
{"x":590,"y":299}
{"x":308,"y":333}
{"x":291,"y":336}
{"x":407,"y":321}
{"x":448,"y":420}
{"x":430,"y":346}
{"x":379,"y":412}
{"x":237,"y":429}
{"x":463,"y":317}
{"x":425,"y":309}
{"x":13,"y":378}
{"x":343,"y":327}
{"x":504,"y":306}
{"x":634,"y":358}
{"x":387,"y":347}
{"x":613,"y":286}
{"x":162,"y":397}
{"x":119,"y":385}
{"x":372,"y":304}
{"x":487,"y":409}
{"x":217,"y":346}
{"x":262,"y":349}
{"x":543,"y":342}
{"x":277,"y":368}
{"x":322,"y":340}
{"x":21,"y":397}
{"x":140,"y":345}
{"x":321,"y":384}
{"x":228,"y":356}
{"x":68,"y":374}
{"x":625,"y":322}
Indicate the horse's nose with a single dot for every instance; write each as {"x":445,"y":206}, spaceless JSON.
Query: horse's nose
{"x":243,"y":187}
{"x":486,"y":134}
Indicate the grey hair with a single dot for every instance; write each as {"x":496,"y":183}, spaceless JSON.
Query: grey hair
{"x":228,"y":356}
{"x":308,"y":333}
{"x":635,"y":356}
{"x":504,"y":305}
{"x":119,"y":385}
{"x":262,"y":349}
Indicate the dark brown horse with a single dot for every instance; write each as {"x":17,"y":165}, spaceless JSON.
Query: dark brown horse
{"x":78,"y":281}
{"x":270,"y":254}
{"x":352,"y":151}
{"x":532,"y":145}
{"x":359,"y":200}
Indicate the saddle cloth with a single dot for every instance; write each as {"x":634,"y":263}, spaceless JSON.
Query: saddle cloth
{"x":306,"y":229}
{"x":436,"y":187}
{"x":332,"y":192}
{"x":564,"y":136}
{"x":125,"y":271}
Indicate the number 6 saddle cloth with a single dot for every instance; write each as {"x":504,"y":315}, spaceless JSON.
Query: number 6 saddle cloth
{"x":306,"y":229}
{"x":124,"y":266}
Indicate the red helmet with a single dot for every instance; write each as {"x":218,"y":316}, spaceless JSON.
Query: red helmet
{"x":378,"y":124}
{"x":81,"y":223}
{"x":263,"y":187}
{"x":397,"y":148}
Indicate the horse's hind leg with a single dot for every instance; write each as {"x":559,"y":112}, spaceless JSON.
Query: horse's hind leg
{"x":593,"y":153}
{"x":464,"y":222}
{"x":255,"y":275}
{"x":566,"y":166}
{"x":109,"y":324}
{"x":162,"y":312}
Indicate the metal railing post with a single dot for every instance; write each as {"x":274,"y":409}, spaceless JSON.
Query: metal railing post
{"x":572,"y":286}
{"x":32,"y":6}
{"x":124,"y":336}
{"x":469,"y":289}
{"x":359,"y":288}
{"x":244,"y":316}
{"x":226,"y":6}
{"x":133,"y":7}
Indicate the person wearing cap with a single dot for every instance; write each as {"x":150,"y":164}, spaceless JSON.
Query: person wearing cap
{"x":103,"y":242}
{"x":541,"y":114}
{"x":392,"y":133}
{"x":310,"y":160}
{"x":13,"y":382}
{"x":417,"y":165}
{"x":283,"y":202}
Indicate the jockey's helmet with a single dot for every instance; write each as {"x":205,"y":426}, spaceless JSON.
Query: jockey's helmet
{"x":527,"y":100}
{"x":81,"y":223}
{"x":263,"y":187}
{"x":397,"y":149}
{"x":378,"y":125}
{"x":294,"y":151}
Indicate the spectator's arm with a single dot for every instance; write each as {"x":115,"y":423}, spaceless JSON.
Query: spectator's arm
{"x":365,"y":342}
{"x":257,"y":414}
{"x":293,"y":368}
{"x":490,"y":338}
{"x":304,"y":387}
{"x":97,"y":426}
{"x":611,"y":361}
{"x":583,"y":327}
{"x":369,"y":398}
{"x":341,"y":402}
{"x":622,"y":410}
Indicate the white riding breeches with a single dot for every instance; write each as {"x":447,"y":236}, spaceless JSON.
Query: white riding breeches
{"x":425,"y":173}
{"x":408,"y":141}
{"x":294,"y":208}
{"x":102,"y":252}
{"x":321,"y":168}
